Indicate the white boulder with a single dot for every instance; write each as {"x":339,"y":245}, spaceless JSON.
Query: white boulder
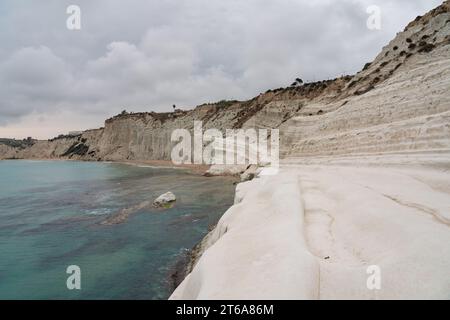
{"x":165,"y":200}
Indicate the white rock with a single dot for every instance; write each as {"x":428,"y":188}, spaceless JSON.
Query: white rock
{"x":250,"y":173}
{"x":164,"y":199}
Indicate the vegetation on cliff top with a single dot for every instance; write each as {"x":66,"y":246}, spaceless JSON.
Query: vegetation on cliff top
{"x":14,"y":143}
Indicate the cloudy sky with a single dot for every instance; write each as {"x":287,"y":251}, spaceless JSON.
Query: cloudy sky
{"x":148,"y":55}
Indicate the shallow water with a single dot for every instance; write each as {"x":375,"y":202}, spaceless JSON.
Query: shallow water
{"x":50,"y":214}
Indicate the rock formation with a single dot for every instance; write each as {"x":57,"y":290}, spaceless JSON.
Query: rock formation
{"x":363,"y":189}
{"x":165,"y":200}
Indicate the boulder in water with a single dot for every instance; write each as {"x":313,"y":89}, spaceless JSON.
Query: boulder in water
{"x":165,"y":200}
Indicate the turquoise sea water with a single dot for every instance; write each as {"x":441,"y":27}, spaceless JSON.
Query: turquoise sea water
{"x":50,"y":214}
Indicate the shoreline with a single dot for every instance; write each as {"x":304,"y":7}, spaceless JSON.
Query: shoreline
{"x":187,"y":260}
{"x":167,"y":164}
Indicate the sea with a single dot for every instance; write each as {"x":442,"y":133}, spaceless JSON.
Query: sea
{"x":51,"y":215}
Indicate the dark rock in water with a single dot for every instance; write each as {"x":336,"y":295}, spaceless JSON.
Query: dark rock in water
{"x":187,"y":261}
{"x":164,"y":201}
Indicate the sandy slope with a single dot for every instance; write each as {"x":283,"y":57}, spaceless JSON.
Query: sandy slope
{"x":358,"y":211}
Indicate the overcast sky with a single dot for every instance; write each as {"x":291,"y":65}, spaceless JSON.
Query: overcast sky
{"x":148,"y":55}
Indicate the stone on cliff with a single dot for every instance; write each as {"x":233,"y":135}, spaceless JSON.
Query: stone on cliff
{"x":251,"y":173}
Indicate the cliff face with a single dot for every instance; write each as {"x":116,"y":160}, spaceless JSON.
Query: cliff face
{"x":405,"y":106}
{"x":398,"y":102}
{"x":364,"y":187}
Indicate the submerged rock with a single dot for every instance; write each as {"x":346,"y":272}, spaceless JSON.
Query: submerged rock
{"x":165,"y":200}
{"x":122,"y":215}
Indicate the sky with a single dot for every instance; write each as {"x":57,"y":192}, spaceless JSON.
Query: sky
{"x":148,"y":55}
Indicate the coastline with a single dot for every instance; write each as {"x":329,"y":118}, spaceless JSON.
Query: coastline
{"x":194,"y":168}
{"x":187,"y":260}
{"x":358,"y":207}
